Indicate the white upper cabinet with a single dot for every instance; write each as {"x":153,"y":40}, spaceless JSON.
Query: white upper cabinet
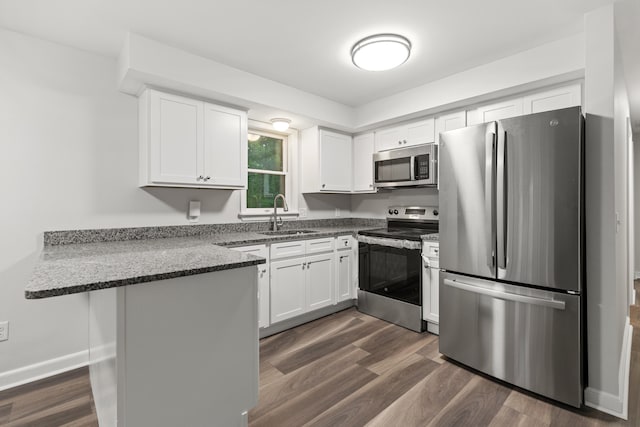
{"x":450,"y":121}
{"x":326,"y":161}
{"x":363,"y":149}
{"x":225,"y":146}
{"x":546,"y":100}
{"x":496,"y":111}
{"x":554,"y":99}
{"x":421,"y":132}
{"x":186,"y":142}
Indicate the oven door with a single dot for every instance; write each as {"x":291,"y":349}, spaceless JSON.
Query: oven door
{"x":391,"y":272}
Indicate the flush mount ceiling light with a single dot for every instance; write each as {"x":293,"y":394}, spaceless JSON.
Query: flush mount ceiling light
{"x":280,"y":124}
{"x":381,"y":52}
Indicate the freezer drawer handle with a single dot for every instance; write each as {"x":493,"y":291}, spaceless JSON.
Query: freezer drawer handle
{"x":559,"y":305}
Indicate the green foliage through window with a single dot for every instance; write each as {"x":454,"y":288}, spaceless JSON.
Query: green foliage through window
{"x":265,"y":155}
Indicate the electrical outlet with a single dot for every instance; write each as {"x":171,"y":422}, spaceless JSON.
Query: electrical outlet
{"x":4,"y":330}
{"x":302,"y":212}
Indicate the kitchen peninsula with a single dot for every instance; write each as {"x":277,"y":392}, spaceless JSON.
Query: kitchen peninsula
{"x":173,"y":325}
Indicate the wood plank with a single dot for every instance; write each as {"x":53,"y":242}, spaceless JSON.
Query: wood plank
{"x":317,"y":349}
{"x":56,"y":392}
{"x":276,"y":346}
{"x":426,"y":399}
{"x":634,"y":387}
{"x":60,"y":414}
{"x":307,"y":405}
{"x":476,"y":404}
{"x":526,"y":404}
{"x":305,"y":379}
{"x":431,"y":350}
{"x":268,"y":373}
{"x":367,"y":402}
{"x":391,"y":355}
{"x":5,"y":411}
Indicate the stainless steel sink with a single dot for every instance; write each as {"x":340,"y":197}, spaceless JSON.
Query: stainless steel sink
{"x":288,"y":232}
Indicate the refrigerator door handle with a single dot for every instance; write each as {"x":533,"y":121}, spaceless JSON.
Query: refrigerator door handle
{"x":501,"y":203}
{"x":489,"y":182}
{"x":551,"y":303}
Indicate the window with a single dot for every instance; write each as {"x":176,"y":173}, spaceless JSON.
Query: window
{"x":267,"y":171}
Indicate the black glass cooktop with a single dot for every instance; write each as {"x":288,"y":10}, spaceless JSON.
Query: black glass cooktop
{"x":404,"y":233}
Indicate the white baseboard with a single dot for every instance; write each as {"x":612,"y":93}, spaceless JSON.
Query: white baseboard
{"x":617,"y":406}
{"x":41,"y":370}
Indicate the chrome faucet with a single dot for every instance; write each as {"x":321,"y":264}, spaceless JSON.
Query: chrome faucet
{"x":276,"y":223}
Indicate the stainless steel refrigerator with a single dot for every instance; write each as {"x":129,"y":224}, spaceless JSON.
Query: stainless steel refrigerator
{"x":511,"y":251}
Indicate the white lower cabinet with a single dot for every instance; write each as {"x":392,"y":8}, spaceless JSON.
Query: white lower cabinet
{"x":345,"y":268}
{"x":301,"y":283}
{"x":288,"y":288}
{"x":320,"y":284}
{"x":431,"y":285}
{"x":263,"y":281}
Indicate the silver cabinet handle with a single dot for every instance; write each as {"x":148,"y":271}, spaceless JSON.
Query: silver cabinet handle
{"x":200,"y":178}
{"x":324,"y":185}
{"x":264,"y":270}
{"x":399,"y":142}
{"x":426,"y":261}
{"x":207,"y":178}
{"x":508,"y":296}
{"x":404,"y":141}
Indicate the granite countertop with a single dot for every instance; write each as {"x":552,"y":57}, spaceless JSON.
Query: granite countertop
{"x":433,"y":237}
{"x":65,"y":269}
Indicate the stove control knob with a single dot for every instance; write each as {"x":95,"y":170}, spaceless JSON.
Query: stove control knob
{"x":390,"y":211}
{"x":395,"y":211}
{"x":435,"y":212}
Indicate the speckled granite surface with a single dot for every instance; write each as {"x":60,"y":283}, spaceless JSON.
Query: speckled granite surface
{"x":67,"y":237}
{"x":433,"y":237}
{"x":73,"y":268}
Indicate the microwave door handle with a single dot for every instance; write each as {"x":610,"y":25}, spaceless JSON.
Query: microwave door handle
{"x":412,"y":165}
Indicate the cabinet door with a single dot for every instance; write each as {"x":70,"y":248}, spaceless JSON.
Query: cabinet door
{"x":363,"y":146}
{"x":335,"y":161}
{"x":497,"y":111}
{"x":263,"y":281}
{"x":225,"y":146}
{"x":320,"y":280}
{"x":386,"y":139}
{"x":450,"y":122}
{"x":344,"y":260}
{"x":421,"y":132}
{"x":288,"y":293}
{"x":554,"y":99}
{"x":175,"y":139}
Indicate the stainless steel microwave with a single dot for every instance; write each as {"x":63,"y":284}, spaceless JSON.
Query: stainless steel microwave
{"x":415,"y":166}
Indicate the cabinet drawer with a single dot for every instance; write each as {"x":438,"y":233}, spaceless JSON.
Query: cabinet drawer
{"x":287,"y":249}
{"x":344,"y":242}
{"x":431,"y":250}
{"x":257,"y":250}
{"x":320,"y":245}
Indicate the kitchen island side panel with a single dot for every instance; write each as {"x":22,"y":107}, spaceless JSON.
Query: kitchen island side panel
{"x":187,"y":351}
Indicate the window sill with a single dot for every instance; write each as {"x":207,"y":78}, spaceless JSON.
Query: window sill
{"x":255,"y":216}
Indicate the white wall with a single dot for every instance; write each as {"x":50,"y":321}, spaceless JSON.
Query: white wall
{"x":606,"y":106}
{"x":70,"y":160}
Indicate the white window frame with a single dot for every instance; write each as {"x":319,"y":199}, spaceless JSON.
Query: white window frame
{"x":289,"y":151}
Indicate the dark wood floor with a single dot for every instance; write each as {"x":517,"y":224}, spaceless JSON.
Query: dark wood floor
{"x":348,"y":369}
{"x":63,"y":400}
